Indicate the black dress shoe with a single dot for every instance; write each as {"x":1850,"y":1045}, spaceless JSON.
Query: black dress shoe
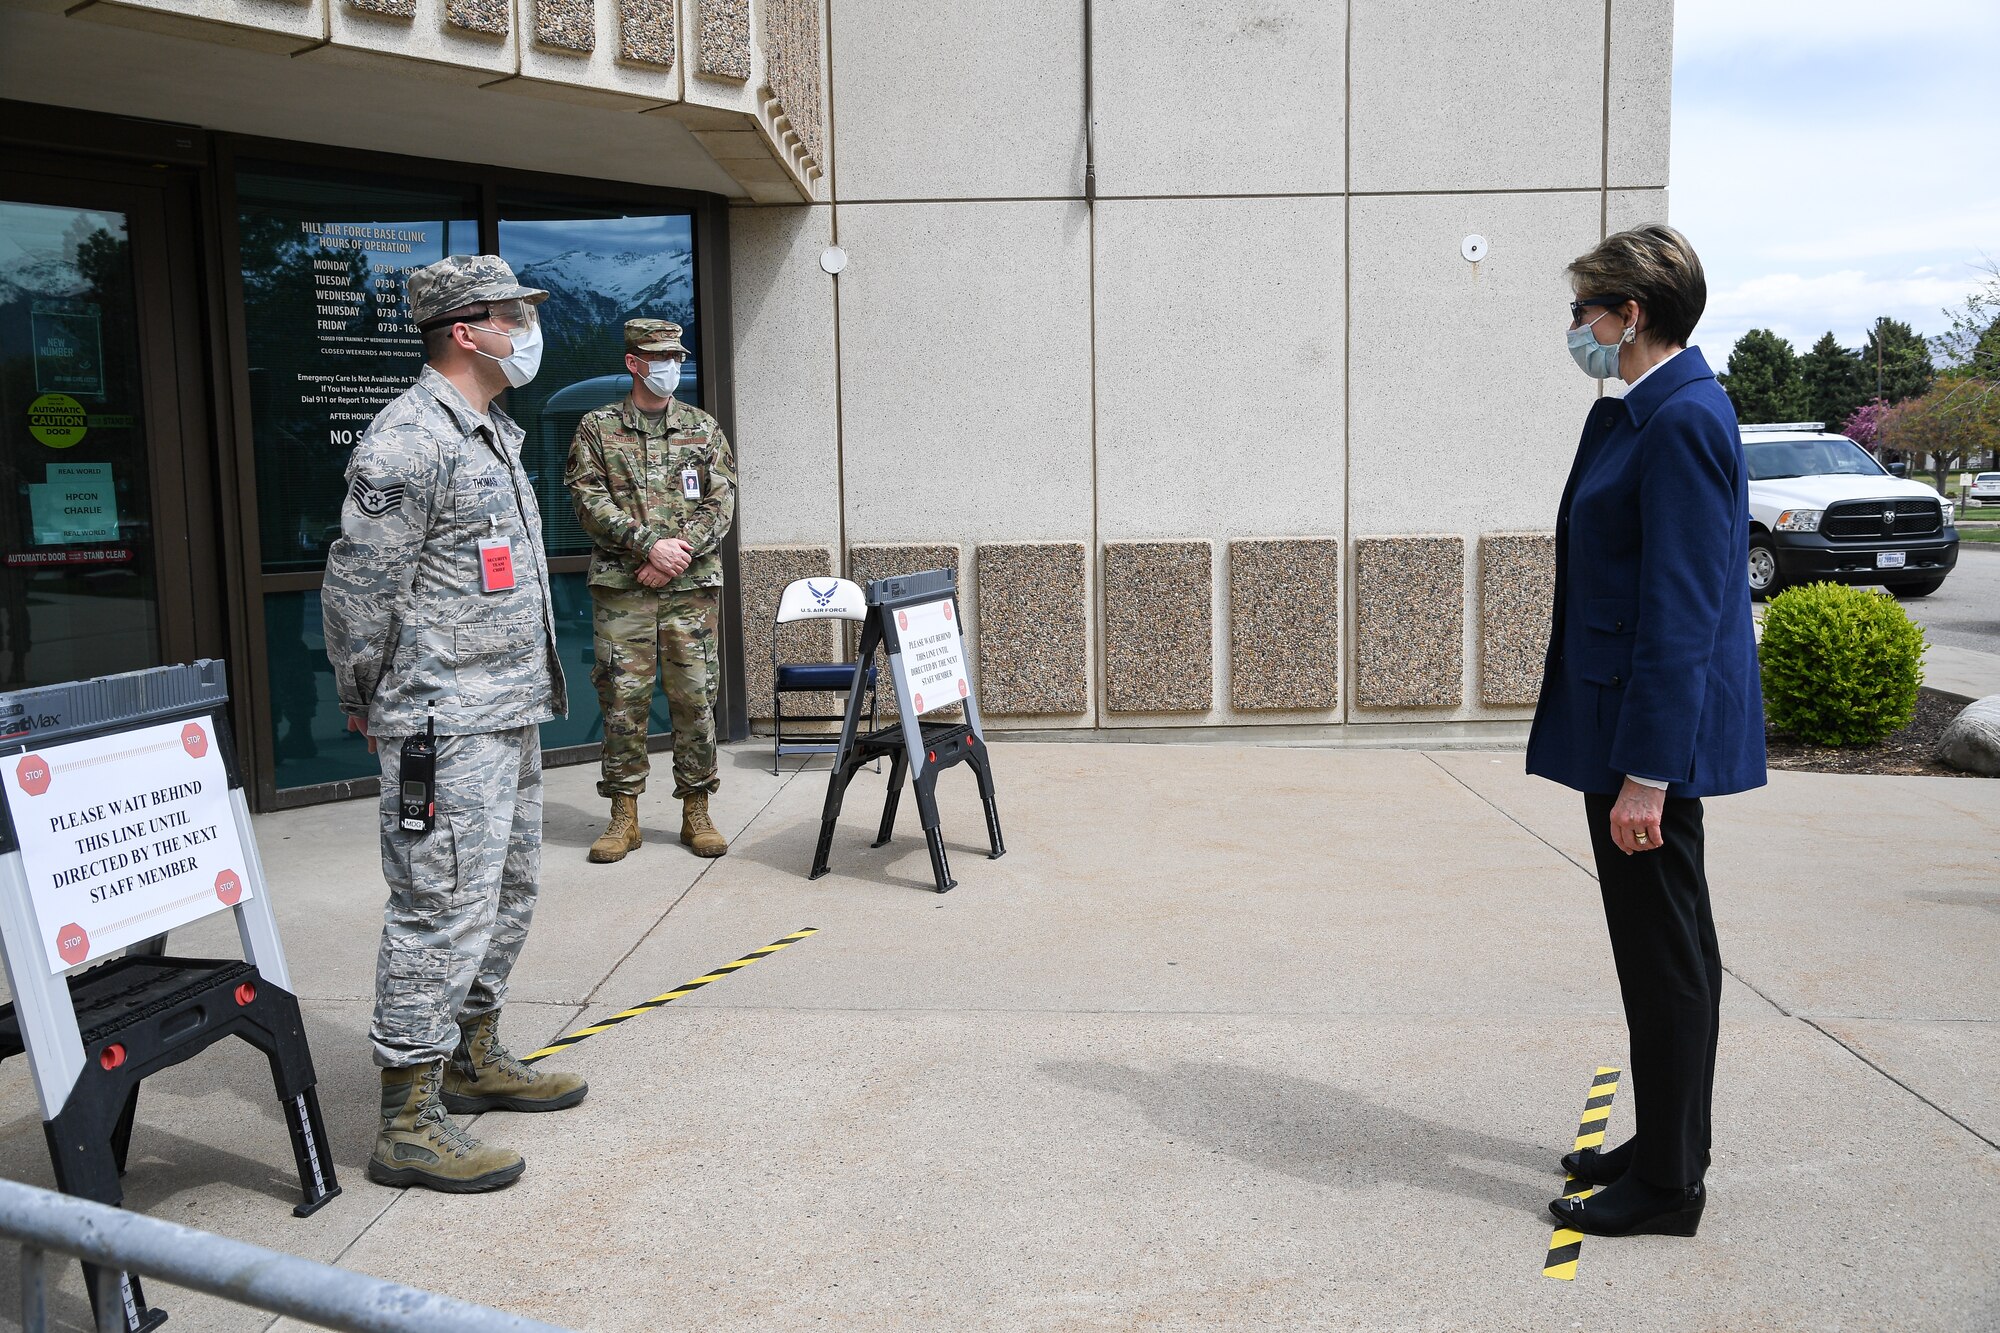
{"x":1599,"y":1167}
{"x":1631,"y":1207}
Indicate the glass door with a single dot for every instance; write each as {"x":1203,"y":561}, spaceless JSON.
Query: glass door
{"x":87,"y":406}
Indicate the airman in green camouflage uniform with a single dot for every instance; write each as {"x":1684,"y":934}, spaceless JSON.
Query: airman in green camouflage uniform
{"x":438,"y":616}
{"x":655,"y":487}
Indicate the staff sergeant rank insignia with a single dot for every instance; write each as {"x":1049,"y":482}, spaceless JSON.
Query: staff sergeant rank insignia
{"x":376,"y":501}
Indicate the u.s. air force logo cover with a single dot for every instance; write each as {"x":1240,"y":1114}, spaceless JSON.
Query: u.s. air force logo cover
{"x":373,"y":500}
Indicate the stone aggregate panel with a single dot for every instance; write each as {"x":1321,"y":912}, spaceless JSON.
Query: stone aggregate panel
{"x":765,"y":570}
{"x":792,"y":51}
{"x":879,"y":561}
{"x":1159,"y":627}
{"x":1284,"y":625}
{"x":1409,"y":622}
{"x":1517,"y":581}
{"x":568,"y":25}
{"x":485,"y":16}
{"x":646,"y":31}
{"x":725,"y":38}
{"x":1034,"y":628}
{"x":399,"y":9}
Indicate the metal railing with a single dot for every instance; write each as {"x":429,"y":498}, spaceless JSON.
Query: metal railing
{"x":116,"y":1241}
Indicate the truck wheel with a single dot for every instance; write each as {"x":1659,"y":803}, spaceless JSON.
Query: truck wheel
{"x":1924,"y":589}
{"x":1765,"y":579}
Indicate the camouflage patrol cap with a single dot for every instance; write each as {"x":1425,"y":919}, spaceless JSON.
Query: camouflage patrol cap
{"x":653,"y":335}
{"x":457,"y":281}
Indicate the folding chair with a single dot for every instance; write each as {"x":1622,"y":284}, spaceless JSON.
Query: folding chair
{"x":815,"y":599}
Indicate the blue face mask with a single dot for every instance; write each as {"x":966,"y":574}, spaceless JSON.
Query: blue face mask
{"x":1597,"y":360}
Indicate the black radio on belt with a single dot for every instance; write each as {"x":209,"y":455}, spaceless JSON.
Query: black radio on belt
{"x":418,"y":797}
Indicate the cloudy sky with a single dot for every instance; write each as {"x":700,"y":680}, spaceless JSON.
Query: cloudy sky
{"x":1835,"y":160}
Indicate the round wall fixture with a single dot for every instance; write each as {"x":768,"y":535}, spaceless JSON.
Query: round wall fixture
{"x":833,"y":259}
{"x":1473,"y":248}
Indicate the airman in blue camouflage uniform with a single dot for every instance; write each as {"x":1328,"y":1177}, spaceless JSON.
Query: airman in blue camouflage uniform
{"x":655,"y":487}
{"x":438,"y":615}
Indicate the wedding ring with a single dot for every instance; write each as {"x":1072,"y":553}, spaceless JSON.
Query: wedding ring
{"x":1640,"y":837}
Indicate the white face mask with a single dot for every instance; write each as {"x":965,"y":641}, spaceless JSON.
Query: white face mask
{"x":519,"y":365}
{"x":662,"y":377}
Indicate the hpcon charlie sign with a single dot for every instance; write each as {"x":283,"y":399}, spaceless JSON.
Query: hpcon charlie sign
{"x":124,"y":837}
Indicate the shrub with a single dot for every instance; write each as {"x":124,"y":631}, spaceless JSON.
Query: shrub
{"x":1841,"y":665}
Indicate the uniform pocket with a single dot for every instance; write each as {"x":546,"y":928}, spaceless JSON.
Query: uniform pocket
{"x":1604,"y":657}
{"x":495,"y":660}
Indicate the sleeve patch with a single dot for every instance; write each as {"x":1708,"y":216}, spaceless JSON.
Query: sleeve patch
{"x":373,"y":500}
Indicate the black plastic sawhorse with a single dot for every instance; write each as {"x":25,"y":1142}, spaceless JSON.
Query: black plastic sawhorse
{"x":143,"y":1013}
{"x":945,"y":744}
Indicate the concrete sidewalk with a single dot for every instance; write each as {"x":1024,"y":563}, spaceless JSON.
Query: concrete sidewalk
{"x":1234,"y":1036}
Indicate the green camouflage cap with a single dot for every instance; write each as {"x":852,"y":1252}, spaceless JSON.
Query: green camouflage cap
{"x":653,"y":335}
{"x":462,"y":280}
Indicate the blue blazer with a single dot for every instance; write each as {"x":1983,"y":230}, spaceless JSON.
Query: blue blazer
{"x":1652,"y":665}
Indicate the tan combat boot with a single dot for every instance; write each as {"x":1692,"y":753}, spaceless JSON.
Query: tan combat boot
{"x":419,"y":1145}
{"x":483,"y":1075}
{"x":621,"y":835}
{"x":697,"y":831}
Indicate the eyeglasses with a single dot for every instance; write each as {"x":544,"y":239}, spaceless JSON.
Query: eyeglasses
{"x":1576,"y":308}
{"x":517,"y":313}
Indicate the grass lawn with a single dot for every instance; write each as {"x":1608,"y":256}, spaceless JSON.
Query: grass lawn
{"x":1985,"y":536}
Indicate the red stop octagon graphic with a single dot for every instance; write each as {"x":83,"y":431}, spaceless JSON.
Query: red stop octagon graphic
{"x":920,"y":703}
{"x":902,"y":620}
{"x":947,"y":610}
{"x":194,"y":740}
{"x":72,"y":944}
{"x":228,"y":887}
{"x":961,"y":689}
{"x":33,"y":774}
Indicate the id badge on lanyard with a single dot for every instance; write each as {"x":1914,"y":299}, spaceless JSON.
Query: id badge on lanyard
{"x":690,"y":484}
{"x":496,"y":564}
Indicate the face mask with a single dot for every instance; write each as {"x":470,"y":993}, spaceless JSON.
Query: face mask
{"x":1597,"y":360}
{"x":519,"y":365}
{"x":662,"y":377}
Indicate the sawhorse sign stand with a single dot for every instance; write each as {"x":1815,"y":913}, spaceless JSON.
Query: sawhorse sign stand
{"x":122,"y":816}
{"x":915,"y":618}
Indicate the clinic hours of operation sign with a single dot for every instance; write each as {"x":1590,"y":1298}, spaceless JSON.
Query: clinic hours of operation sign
{"x":933,"y":655}
{"x":124,"y":837}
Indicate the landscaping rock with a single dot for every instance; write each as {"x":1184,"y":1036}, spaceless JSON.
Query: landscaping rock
{"x":1972,"y":742}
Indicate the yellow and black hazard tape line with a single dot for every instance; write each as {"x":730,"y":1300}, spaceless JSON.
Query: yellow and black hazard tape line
{"x":685,"y":988}
{"x":1565,"y":1244}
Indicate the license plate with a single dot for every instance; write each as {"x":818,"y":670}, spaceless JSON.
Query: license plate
{"x":1890,"y":559}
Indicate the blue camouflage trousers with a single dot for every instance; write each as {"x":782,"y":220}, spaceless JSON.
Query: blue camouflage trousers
{"x":460,"y":896}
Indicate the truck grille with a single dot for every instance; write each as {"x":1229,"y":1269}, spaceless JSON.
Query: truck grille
{"x":1863,"y":520}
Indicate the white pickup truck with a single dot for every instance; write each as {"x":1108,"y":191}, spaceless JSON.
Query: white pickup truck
{"x":1823,"y":511}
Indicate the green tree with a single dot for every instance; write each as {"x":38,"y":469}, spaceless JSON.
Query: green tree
{"x":1970,"y":344}
{"x":1763,"y":379}
{"x":1835,"y":382}
{"x":1901,"y":361}
{"x":1956,"y":422}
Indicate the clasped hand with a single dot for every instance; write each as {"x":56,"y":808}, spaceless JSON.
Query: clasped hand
{"x":668,"y":559}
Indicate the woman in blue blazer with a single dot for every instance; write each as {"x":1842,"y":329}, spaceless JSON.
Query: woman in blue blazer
{"x":1650,"y":699}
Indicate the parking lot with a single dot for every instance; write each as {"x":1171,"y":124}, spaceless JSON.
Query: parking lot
{"x":1965,"y":612}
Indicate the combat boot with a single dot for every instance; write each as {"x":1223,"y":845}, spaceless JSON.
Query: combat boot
{"x":484,"y":1076}
{"x":697,"y":830}
{"x":420,"y":1145}
{"x":621,"y":835}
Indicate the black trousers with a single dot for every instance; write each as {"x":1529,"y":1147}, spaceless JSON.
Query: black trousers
{"x":1670,"y":977}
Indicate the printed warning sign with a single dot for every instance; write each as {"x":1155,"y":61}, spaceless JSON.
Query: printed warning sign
{"x":124,"y":837}
{"x":933,"y":655}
